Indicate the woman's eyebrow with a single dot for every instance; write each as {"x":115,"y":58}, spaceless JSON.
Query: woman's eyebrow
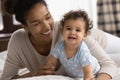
{"x":48,"y":13}
{"x":38,"y":20}
{"x":34,"y":21}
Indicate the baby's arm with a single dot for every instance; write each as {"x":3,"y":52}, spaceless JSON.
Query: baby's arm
{"x":88,"y":75}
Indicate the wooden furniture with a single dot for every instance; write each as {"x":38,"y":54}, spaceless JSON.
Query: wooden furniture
{"x":8,"y":29}
{"x":4,"y":38}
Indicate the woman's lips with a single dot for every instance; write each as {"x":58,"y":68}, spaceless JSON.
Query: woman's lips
{"x":49,"y":31}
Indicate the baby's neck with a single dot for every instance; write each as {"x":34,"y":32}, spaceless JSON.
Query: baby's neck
{"x":70,"y":51}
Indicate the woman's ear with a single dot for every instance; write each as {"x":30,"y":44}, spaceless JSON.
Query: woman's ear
{"x":25,"y":27}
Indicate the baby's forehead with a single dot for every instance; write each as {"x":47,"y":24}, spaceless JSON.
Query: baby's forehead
{"x":75,"y":23}
{"x":75,"y":19}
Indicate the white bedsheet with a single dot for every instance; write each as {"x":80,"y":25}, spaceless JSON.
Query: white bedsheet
{"x":58,"y":77}
{"x":48,"y":77}
{"x":3,"y":56}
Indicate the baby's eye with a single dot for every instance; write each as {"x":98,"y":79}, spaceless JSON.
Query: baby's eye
{"x":68,"y":28}
{"x":78,"y":30}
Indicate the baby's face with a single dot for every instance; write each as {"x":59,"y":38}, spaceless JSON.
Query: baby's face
{"x":74,"y":31}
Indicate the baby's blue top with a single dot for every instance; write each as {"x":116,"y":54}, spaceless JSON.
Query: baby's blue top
{"x":74,"y":65}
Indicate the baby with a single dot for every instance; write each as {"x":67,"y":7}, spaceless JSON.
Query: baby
{"x":72,"y":52}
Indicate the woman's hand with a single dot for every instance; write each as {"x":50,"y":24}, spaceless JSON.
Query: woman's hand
{"x":103,"y":76}
{"x":46,"y":70}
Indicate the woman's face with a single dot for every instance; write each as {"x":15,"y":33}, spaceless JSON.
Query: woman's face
{"x":40,"y":24}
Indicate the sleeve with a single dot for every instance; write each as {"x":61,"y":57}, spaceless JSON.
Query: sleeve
{"x":56,"y":34}
{"x":12,"y":63}
{"x":55,"y":51}
{"x":84,"y":55}
{"x":106,"y":63}
{"x":100,"y":37}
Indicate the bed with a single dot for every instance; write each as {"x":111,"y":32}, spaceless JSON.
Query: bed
{"x":48,"y":77}
{"x":3,"y":56}
{"x":113,"y":51}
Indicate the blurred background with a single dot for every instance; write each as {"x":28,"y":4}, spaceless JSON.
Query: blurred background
{"x":104,"y":13}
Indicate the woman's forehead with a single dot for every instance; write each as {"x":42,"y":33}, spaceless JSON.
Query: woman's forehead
{"x":37,"y":11}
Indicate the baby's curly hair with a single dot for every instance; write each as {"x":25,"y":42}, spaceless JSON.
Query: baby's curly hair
{"x":78,"y":14}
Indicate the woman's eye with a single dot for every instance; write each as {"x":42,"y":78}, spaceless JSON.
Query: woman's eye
{"x":36,"y":24}
{"x":48,"y":17}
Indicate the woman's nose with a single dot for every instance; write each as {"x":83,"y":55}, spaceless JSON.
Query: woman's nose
{"x":46,"y":28}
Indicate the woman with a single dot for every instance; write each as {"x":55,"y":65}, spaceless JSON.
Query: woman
{"x":30,"y":46}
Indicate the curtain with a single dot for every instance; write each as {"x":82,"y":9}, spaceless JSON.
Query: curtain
{"x":108,"y":12}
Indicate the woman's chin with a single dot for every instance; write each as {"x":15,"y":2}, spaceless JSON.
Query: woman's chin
{"x":47,"y":39}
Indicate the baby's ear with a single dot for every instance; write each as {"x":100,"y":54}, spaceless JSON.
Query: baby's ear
{"x":85,"y":35}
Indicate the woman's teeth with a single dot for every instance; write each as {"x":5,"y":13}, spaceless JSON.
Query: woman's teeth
{"x":47,"y":32}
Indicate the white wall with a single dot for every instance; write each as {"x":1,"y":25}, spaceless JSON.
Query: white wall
{"x":59,"y":7}
{"x":1,"y":22}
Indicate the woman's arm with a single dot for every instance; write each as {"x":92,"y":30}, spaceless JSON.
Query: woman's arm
{"x":38,"y":72}
{"x":14,"y":60}
{"x":108,"y":67}
{"x":11,"y":66}
{"x":11,"y":70}
{"x":30,"y":74}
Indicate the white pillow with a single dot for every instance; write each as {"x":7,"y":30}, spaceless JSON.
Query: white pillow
{"x":113,"y":44}
{"x":116,"y":58}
